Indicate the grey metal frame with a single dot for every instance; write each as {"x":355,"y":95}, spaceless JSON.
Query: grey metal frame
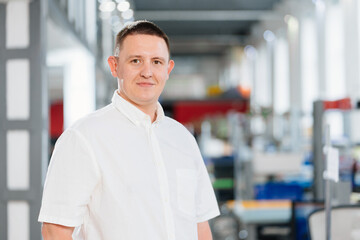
{"x":3,"y":180}
{"x":319,"y":163}
{"x":37,"y":124}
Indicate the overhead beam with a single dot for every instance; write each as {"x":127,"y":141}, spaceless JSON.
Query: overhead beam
{"x":206,"y":44}
{"x":228,"y":38}
{"x":226,"y":15}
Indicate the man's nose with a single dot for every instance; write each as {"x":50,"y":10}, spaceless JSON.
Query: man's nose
{"x":146,"y":70}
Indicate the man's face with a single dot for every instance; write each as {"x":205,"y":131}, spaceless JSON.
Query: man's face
{"x":142,"y":69}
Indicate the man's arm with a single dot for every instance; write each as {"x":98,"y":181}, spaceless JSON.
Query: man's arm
{"x":56,"y":232}
{"x":204,"y":232}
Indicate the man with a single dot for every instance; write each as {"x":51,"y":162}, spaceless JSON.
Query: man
{"x":126,"y":171}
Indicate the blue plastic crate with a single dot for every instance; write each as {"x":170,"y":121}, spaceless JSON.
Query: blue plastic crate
{"x":289,"y":191}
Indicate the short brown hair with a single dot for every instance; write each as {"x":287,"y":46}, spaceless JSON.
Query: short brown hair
{"x":141,"y":27}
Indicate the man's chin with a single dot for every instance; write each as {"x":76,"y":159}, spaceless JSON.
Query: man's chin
{"x":145,"y":101}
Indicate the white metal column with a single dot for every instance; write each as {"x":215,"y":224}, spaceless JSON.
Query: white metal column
{"x":351,"y":26}
{"x":321,"y":43}
{"x":295,"y":81}
{"x":23,"y":118}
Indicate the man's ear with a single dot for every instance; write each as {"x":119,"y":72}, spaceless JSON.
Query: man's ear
{"x":112,"y":61}
{"x":171,"y":65}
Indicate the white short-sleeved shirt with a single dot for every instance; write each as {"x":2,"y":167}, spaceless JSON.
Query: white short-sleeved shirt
{"x":116,"y":175}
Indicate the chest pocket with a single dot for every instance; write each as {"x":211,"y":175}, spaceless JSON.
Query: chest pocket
{"x":186,"y":188}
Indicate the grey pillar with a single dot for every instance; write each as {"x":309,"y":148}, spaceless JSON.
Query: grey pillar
{"x":318,"y":159}
{"x":35,"y":125}
{"x":271,"y":72}
{"x":3,"y":211}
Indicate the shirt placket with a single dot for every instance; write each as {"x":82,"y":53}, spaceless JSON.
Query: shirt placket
{"x":163,"y":181}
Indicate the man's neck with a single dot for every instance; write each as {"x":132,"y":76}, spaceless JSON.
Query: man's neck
{"x":150,"y":110}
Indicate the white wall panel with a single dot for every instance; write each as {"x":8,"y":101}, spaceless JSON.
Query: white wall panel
{"x":18,"y":89}
{"x":262,"y":86}
{"x":281,"y":80}
{"x":18,"y":160}
{"x":335,"y":54}
{"x":352,"y":47}
{"x":17,"y":24}
{"x":309,"y":64}
{"x":18,"y":220}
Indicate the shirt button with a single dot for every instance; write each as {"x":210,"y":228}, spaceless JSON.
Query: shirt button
{"x":166,"y":199}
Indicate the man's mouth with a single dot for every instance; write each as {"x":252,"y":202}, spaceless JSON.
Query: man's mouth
{"x":145,"y":84}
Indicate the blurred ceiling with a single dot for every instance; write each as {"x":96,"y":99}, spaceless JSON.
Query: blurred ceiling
{"x":205,"y":26}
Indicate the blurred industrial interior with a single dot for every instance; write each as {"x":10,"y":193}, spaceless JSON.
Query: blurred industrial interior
{"x":256,"y":81}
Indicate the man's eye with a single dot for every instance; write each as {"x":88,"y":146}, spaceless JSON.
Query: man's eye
{"x":157,"y":62}
{"x":135,"y":61}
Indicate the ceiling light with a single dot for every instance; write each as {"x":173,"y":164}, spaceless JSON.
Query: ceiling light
{"x":269,"y":36}
{"x":250,"y":51}
{"x":128,"y":14}
{"x":107,"y":6}
{"x":293,"y":24}
{"x":123,"y":6}
{"x":286,"y":18}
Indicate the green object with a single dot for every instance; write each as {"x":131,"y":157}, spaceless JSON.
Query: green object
{"x":223,"y":183}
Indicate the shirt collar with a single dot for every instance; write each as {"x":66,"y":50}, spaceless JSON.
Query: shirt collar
{"x":134,"y":114}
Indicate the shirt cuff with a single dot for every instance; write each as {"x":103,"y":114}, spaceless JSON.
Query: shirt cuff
{"x":50,"y":215}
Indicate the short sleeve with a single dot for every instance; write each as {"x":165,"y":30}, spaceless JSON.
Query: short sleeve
{"x":206,"y":203}
{"x":72,"y":176}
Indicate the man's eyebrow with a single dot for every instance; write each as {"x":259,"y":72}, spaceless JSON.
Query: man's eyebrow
{"x":159,"y":58}
{"x":139,"y":56}
{"x":134,"y":56}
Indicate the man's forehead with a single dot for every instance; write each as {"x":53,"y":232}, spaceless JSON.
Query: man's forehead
{"x":129,"y":42}
{"x":143,"y":37}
